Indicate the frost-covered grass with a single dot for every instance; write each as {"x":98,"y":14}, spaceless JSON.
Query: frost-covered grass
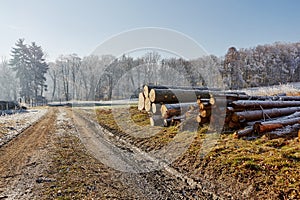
{"x":12,"y":125}
{"x":287,"y":89}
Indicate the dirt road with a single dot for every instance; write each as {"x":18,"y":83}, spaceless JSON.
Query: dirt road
{"x":24,"y":159}
{"x":66,"y":155}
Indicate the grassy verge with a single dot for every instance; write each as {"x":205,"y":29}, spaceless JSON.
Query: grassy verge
{"x":262,"y":168}
{"x":139,"y":125}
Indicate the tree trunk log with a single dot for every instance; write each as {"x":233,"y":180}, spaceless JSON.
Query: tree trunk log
{"x":236,"y":97}
{"x":246,"y":116}
{"x":262,"y":127}
{"x":290,"y":132}
{"x":294,"y":115}
{"x":288,"y":98}
{"x":177,"y":95}
{"x":263,"y":104}
{"x":234,"y":125}
{"x":147,"y":88}
{"x":244,"y":132}
{"x":170,"y":110}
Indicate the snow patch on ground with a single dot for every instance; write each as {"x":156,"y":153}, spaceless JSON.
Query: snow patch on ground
{"x":64,"y":123}
{"x":12,"y":125}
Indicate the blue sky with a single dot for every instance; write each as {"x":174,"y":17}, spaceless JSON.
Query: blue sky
{"x":64,"y":27}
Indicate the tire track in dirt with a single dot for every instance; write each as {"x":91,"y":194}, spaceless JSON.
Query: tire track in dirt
{"x":24,"y":159}
{"x":101,"y":148}
{"x":77,"y":173}
{"x":161,"y":184}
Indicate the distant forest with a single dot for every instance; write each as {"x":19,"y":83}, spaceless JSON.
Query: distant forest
{"x":28,"y":75}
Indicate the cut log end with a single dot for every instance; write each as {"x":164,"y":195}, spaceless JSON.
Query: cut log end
{"x":203,"y":113}
{"x":147,"y":105}
{"x":212,"y":101}
{"x":146,"y":91}
{"x":152,"y":95}
{"x":141,"y":102}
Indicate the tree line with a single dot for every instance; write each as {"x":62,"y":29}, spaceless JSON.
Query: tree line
{"x":71,"y":77}
{"x":26,"y":76}
{"x":263,"y":65}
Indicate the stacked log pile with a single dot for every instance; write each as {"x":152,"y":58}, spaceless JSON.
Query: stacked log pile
{"x":235,"y":111}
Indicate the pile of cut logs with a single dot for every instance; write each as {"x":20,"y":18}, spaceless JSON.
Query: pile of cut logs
{"x":235,"y":111}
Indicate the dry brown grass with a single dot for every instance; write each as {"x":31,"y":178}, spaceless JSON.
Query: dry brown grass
{"x":287,"y":89}
{"x":265,"y":168}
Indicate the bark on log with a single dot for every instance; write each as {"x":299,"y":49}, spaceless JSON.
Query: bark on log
{"x":170,"y":110}
{"x":263,"y":104}
{"x":286,"y":132}
{"x":294,"y":115}
{"x":236,"y":97}
{"x":174,"y":95}
{"x":147,"y":88}
{"x":235,"y":92}
{"x":177,"y":95}
{"x":261,"y":114}
{"x":289,"y":98}
{"x":262,"y":127}
{"x":244,"y":132}
{"x":291,"y":116}
{"x":234,"y":125}
{"x":141,"y":102}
